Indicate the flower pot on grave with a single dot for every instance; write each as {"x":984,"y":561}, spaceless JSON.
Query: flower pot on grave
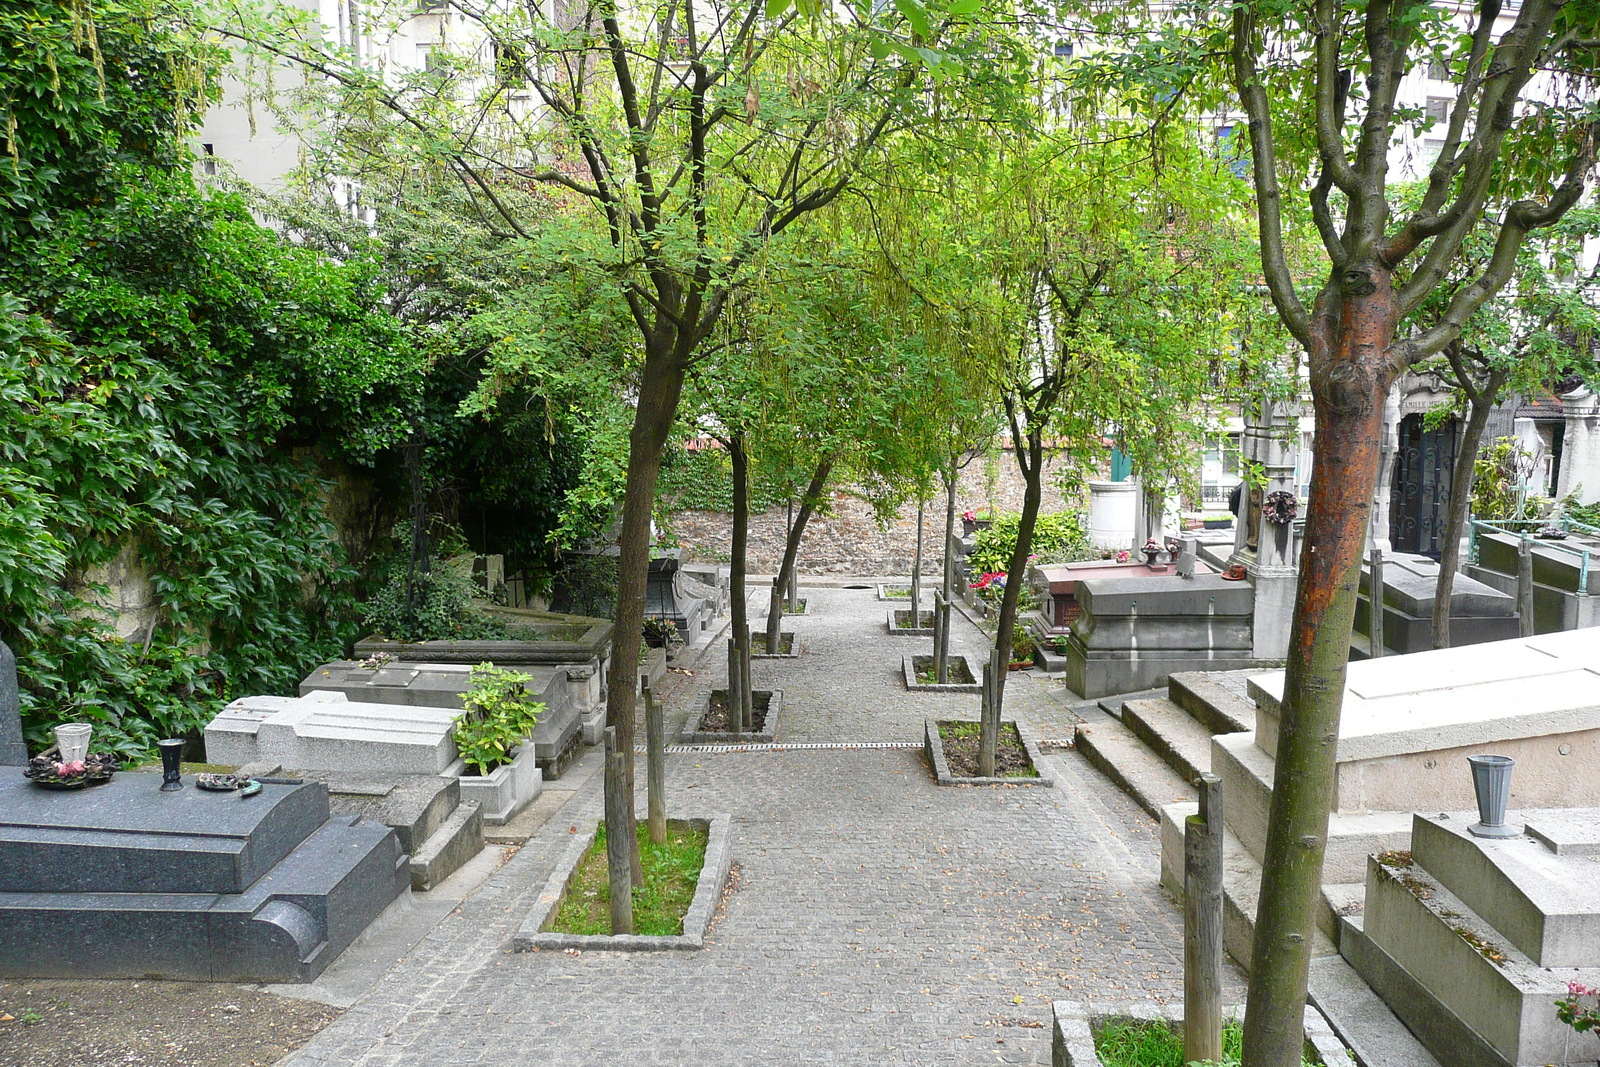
{"x":1491,"y":781}
{"x":505,"y":790}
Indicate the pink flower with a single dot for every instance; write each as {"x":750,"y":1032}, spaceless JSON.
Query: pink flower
{"x":67,"y":770}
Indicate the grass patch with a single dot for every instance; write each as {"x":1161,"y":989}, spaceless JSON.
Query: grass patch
{"x":671,"y":872}
{"x":1136,"y":1043}
{"x":797,"y":608}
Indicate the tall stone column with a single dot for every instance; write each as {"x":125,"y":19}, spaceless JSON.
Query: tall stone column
{"x":1378,"y":529}
{"x":1580,"y":447}
{"x":1268,"y":551}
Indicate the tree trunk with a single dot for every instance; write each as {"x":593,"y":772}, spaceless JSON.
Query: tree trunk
{"x":1351,"y":371}
{"x":950,"y":530}
{"x":1032,"y":495}
{"x":791,"y":550}
{"x":740,"y":631}
{"x":1455,"y":522}
{"x":916,"y":572}
{"x":660,"y":385}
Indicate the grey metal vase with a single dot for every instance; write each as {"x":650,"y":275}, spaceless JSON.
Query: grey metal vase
{"x":1491,"y":780}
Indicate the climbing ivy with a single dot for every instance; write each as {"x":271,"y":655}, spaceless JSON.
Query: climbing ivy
{"x":172,"y":379}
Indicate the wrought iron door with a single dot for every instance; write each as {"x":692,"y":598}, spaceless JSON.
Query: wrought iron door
{"x":1420,"y":498}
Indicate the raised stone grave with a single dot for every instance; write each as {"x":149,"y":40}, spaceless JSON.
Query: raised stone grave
{"x":325,"y":731}
{"x":123,"y":880}
{"x":1561,"y":599}
{"x":1132,"y":633}
{"x":1478,"y":612}
{"x":435,"y":828}
{"x":1471,"y":940}
{"x":568,"y":693}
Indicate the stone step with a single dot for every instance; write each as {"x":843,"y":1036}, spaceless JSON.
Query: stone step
{"x":1246,"y":774}
{"x":1545,"y":902}
{"x":1123,"y":758}
{"x":1113,"y":705}
{"x":1241,"y":883}
{"x":457,"y":840}
{"x":1374,"y":1035}
{"x":1217,"y":699}
{"x":1172,"y":734}
{"x":1474,"y":998}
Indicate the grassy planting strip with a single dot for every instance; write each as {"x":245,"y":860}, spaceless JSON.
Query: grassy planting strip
{"x":933,"y":747}
{"x":1077,"y":1024}
{"x":532,"y":936}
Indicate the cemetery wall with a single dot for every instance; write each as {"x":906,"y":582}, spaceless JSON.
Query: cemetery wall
{"x":850,"y":540}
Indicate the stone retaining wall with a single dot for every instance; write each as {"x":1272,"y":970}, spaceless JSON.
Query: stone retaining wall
{"x":849,"y":539}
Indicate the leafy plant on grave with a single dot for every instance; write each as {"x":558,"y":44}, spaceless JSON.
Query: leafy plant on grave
{"x":448,"y":607}
{"x":499,"y":715}
{"x":1494,"y":482}
{"x":1572,"y":1009}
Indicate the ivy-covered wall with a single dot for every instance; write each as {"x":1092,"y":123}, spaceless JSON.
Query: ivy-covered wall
{"x":171,"y":376}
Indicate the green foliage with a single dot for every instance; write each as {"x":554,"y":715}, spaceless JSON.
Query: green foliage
{"x":1054,"y":534}
{"x":448,"y":605}
{"x":702,"y":480}
{"x":166,"y":367}
{"x":1586,"y":514}
{"x":1494,"y":480}
{"x":1135,"y":1043}
{"x":499,"y":715}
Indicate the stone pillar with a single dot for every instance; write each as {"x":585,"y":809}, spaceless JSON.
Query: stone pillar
{"x":1113,"y":513}
{"x":13,"y":750}
{"x":1271,"y":440}
{"x":1580,"y":447}
{"x":584,"y":685}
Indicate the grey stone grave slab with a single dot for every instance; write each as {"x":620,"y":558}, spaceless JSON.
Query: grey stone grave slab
{"x":326,"y":731}
{"x":13,"y":751}
{"x":118,"y":838}
{"x":286,"y":925}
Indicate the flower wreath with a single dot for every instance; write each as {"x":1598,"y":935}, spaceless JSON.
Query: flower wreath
{"x":1280,"y":508}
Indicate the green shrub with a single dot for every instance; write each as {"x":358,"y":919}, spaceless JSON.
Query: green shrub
{"x":499,"y":715}
{"x":448,"y":604}
{"x":1054,"y":535}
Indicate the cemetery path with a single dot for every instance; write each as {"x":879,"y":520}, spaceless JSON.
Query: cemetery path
{"x":876,"y":918}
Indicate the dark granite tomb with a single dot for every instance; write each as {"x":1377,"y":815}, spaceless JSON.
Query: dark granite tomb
{"x":13,"y":752}
{"x":125,"y":881}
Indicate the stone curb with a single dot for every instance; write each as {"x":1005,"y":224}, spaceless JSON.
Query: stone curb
{"x":912,"y":685}
{"x":1072,"y":1039}
{"x":769,"y":728}
{"x":707,"y":895}
{"x":794,"y":646}
{"x":883,"y":593}
{"x":933,"y":746}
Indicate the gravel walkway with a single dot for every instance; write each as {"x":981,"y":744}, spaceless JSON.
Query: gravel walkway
{"x":875,"y":918}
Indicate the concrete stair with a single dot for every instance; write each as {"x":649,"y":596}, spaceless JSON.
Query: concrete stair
{"x":1119,"y":754}
{"x":1171,"y":733}
{"x":1211,"y":700}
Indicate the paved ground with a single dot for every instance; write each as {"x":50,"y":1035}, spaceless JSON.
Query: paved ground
{"x":875,"y":918}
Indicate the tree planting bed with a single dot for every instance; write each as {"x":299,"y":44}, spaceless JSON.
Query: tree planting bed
{"x":787,"y":649}
{"x":900,"y":623}
{"x":916,"y":668}
{"x":1077,"y":1024}
{"x":712,"y":728}
{"x":533,"y":937}
{"x":952,"y":750}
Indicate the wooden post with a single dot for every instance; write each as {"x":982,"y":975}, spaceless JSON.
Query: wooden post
{"x":1202,"y":926}
{"x":748,"y":701}
{"x":619,"y":861}
{"x":794,"y":589}
{"x":1375,"y":607}
{"x":989,"y":727}
{"x":1525,"y":587}
{"x":735,"y":690}
{"x":656,"y":767}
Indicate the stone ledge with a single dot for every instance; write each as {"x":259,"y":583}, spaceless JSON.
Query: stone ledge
{"x":1072,"y":1035}
{"x":933,"y":746}
{"x":883,"y":591}
{"x":896,"y":630}
{"x":794,"y":646}
{"x":532,"y":937}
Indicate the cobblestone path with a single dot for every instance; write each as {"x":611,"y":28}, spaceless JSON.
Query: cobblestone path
{"x":875,"y":917}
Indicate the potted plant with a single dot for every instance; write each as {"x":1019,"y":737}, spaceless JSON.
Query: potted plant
{"x":498,"y":717}
{"x":1022,"y":650}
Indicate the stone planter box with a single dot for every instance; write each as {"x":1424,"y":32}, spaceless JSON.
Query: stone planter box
{"x":786,"y":640}
{"x":884,"y":594}
{"x":532,"y":937}
{"x":773,"y":698}
{"x":572,"y":639}
{"x":958,"y":669}
{"x":504,"y":791}
{"x":1072,"y":1037}
{"x":900,"y":623}
{"x":933,"y":747}
{"x":805,"y":608}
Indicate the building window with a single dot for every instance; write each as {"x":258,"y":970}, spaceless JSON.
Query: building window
{"x":430,"y":57}
{"x":1064,"y":49}
{"x":1438,"y":70}
{"x":1219,"y":467}
{"x":208,"y":160}
{"x":1439,"y":110}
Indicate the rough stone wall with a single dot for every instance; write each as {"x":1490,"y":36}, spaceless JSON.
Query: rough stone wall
{"x":849,"y":539}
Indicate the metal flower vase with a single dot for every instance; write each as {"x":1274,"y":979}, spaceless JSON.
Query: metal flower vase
{"x":1491,"y":780}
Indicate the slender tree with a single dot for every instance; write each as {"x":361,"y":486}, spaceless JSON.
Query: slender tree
{"x":1295,"y":61}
